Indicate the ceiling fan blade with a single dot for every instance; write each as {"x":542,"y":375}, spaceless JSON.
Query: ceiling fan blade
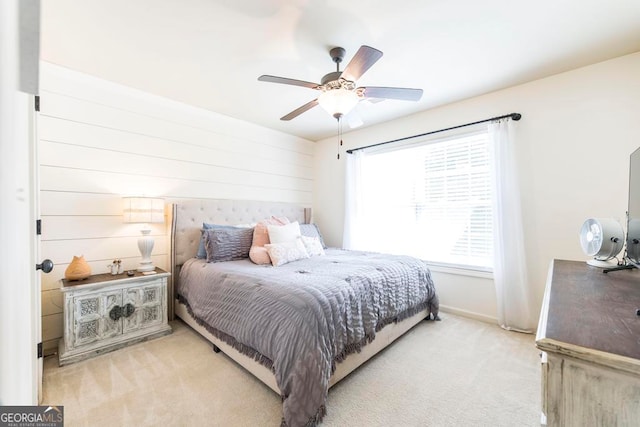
{"x":364,"y":58}
{"x":295,"y":113}
{"x":286,"y":81}
{"x":402,"y":93}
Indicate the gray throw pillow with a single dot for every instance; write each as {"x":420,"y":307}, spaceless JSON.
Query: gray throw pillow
{"x":202,"y":253}
{"x":312,"y":230}
{"x":227,"y":244}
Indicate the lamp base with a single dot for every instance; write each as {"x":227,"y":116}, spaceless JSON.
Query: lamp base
{"x":146,"y":266}
{"x":145,"y":244}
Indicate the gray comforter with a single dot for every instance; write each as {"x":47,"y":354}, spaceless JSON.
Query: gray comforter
{"x":301,"y":318}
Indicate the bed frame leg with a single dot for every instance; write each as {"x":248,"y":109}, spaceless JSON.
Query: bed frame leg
{"x":216,"y":349}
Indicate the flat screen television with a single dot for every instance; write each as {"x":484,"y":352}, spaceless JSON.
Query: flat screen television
{"x":633,"y":212}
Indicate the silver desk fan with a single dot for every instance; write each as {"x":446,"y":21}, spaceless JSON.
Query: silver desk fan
{"x":602,"y":239}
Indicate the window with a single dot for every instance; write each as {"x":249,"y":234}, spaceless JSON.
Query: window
{"x":431,"y":200}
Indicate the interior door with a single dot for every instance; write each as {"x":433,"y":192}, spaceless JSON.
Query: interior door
{"x":20,"y":323}
{"x":29,"y":78}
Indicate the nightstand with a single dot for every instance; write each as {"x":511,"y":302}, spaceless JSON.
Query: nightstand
{"x":105,"y":312}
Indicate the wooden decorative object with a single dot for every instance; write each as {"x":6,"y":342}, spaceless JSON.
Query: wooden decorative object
{"x":78,"y":269}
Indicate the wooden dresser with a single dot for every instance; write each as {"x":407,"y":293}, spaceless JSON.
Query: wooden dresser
{"x":589,"y":335}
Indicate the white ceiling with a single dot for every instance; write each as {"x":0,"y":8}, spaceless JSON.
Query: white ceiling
{"x":209,"y":53}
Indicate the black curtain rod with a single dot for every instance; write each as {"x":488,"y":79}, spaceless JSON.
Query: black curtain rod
{"x":513,"y":116}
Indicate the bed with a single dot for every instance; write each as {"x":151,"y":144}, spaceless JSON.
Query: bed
{"x":300,"y":327}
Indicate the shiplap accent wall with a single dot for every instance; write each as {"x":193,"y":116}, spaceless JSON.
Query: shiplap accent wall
{"x":99,"y":141}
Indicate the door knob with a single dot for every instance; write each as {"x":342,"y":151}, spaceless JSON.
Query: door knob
{"x":46,"y":266}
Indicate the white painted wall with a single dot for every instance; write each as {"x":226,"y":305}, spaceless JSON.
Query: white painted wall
{"x":99,"y":141}
{"x":573,"y":145}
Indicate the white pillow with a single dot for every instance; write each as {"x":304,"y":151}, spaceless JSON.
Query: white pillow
{"x":282,"y":253}
{"x":284,"y":233}
{"x":312,"y":245}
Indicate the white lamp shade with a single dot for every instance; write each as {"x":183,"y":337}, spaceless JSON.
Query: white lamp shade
{"x":143,"y":210}
{"x":338,"y":102}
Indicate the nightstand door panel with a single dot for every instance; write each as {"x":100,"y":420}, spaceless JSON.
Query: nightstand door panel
{"x":111,"y":325}
{"x":151,"y":305}
{"x":89,"y":313}
{"x":87,"y":319}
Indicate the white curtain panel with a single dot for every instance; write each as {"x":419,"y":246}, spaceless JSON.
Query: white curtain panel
{"x":510,"y":261}
{"x":352,"y":234}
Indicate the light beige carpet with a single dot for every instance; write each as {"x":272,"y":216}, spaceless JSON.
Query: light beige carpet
{"x":458,"y":372}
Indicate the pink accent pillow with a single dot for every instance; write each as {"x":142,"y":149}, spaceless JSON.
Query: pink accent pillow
{"x":258,"y":253}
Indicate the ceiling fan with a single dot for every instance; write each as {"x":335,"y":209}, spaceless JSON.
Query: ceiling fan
{"x":339,"y":93}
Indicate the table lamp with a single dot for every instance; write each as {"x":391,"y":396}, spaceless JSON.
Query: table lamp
{"x":144,"y":210}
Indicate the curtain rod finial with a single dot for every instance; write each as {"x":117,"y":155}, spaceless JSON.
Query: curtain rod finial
{"x":516,"y":116}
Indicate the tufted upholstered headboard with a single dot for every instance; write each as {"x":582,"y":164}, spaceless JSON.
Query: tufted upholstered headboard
{"x":188,"y":216}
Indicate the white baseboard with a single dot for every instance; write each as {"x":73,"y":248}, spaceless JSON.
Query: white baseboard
{"x":469,"y":314}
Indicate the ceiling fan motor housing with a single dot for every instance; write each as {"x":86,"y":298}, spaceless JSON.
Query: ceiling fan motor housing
{"x":331,"y":77}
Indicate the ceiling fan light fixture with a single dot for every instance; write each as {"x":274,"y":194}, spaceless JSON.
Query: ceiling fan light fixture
{"x":338,"y":102}
{"x":338,"y":91}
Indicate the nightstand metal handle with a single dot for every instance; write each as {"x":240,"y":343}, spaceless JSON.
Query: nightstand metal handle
{"x":128,"y":310}
{"x":115,"y":313}
{"x":121,"y":311}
